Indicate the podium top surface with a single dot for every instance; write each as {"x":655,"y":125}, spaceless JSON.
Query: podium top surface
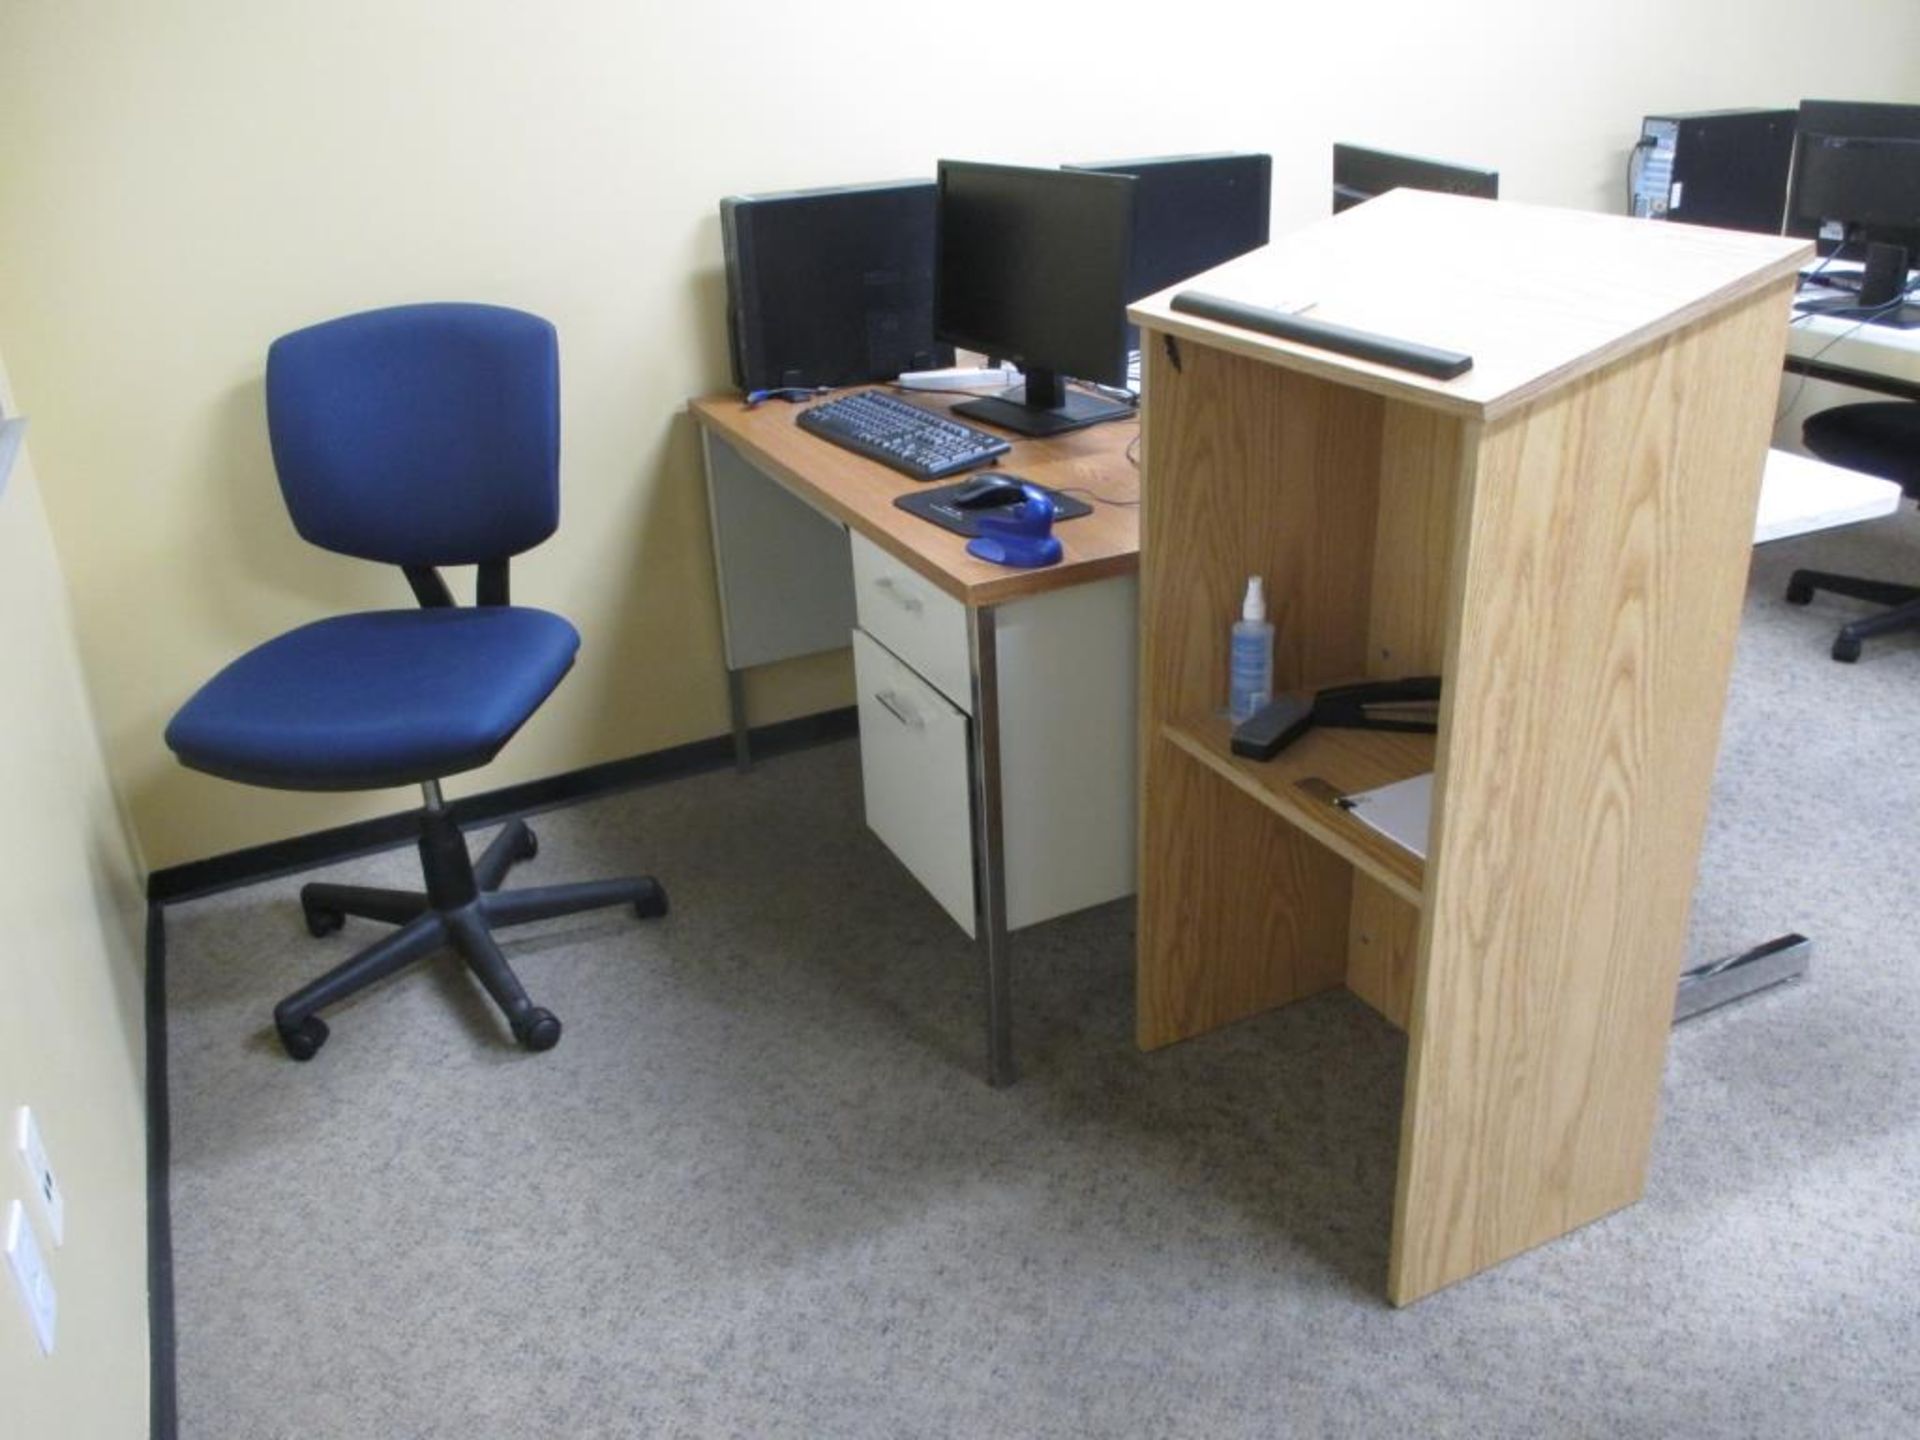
{"x":1537,"y":296}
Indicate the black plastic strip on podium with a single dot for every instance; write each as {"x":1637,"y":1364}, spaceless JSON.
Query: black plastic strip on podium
{"x":1425,"y":360}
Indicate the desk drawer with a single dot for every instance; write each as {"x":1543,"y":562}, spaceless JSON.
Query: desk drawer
{"x":913,"y":769}
{"x":907,"y":613}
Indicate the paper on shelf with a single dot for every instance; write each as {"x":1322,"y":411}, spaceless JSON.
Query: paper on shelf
{"x":1399,"y":811}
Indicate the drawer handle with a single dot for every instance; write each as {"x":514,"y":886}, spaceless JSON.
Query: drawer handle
{"x":893,"y":705}
{"x":891,"y":588}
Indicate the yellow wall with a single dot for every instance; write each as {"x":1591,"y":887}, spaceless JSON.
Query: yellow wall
{"x":71,"y":1042}
{"x":180,"y":183}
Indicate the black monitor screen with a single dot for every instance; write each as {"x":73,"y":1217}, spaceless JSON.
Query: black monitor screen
{"x":1360,"y":174}
{"x":1856,"y":174}
{"x":1032,"y":267}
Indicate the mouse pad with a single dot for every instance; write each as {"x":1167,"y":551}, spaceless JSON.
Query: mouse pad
{"x":937,"y":505}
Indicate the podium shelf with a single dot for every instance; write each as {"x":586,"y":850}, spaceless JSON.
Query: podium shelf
{"x":1300,"y":784}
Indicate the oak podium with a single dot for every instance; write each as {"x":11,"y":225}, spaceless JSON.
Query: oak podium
{"x":1562,"y":534}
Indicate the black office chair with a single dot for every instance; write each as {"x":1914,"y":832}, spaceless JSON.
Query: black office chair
{"x":1879,"y":438}
{"x":422,"y":435}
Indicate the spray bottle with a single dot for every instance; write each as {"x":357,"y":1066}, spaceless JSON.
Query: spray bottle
{"x":1252,"y":655}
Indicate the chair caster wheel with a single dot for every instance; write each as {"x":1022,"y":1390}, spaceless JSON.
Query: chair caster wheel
{"x":1846,"y":649}
{"x":322,"y":922}
{"x":529,"y":845}
{"x":303,"y":1041}
{"x":1799,"y":592}
{"x":539,"y":1030}
{"x":652,"y":906}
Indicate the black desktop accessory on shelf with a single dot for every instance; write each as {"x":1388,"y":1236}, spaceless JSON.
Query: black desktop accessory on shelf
{"x":1405,"y":705}
{"x":830,"y":287}
{"x":1360,"y":174}
{"x":1019,"y":535}
{"x":1426,"y":360}
{"x":1191,"y":213}
{"x":959,"y":507}
{"x":1032,"y":266}
{"x":916,"y":442}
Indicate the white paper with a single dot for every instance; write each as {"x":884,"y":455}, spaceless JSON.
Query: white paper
{"x":1399,"y":811}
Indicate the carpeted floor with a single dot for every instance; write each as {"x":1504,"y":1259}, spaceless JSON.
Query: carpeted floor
{"x":759,"y":1190}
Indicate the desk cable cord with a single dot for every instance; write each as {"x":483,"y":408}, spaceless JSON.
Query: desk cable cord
{"x":1133,"y":458}
{"x":1786,"y":407}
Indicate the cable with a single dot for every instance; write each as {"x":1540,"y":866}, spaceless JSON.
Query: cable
{"x":792,"y":394}
{"x":1092,"y":495}
{"x":1786,"y":408}
{"x":1133,"y":447}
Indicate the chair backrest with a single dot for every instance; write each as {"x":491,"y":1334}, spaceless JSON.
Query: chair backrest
{"x":419,"y":435}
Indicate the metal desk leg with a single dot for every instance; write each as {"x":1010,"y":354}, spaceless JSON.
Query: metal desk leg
{"x":737,"y":714}
{"x":1735,"y":977}
{"x":989,"y":852}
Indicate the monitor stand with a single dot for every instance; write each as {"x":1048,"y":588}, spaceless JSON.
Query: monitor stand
{"x":1043,"y":406}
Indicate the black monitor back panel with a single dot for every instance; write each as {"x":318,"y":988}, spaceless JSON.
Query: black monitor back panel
{"x":831,"y":287}
{"x":1191,"y":213}
{"x":1824,"y":121}
{"x":1360,"y":174}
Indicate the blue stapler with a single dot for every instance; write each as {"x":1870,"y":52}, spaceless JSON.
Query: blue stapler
{"x":1021,"y":534}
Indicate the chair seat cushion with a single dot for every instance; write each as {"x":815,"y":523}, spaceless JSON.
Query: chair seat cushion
{"x":1879,"y":437}
{"x":386,"y":697}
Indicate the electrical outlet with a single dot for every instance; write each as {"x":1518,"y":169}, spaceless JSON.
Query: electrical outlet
{"x":33,"y":1154}
{"x":31,"y":1276}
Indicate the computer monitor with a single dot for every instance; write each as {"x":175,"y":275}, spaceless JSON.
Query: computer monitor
{"x":1031,"y":265}
{"x":1360,"y":174}
{"x":1856,"y":189}
{"x":1191,"y":213}
{"x":1856,"y":174}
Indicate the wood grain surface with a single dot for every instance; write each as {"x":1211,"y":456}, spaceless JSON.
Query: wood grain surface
{"x":1603,"y":559}
{"x":1091,"y":464}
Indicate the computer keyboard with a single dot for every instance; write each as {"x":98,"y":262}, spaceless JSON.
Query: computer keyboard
{"x":913,"y":441}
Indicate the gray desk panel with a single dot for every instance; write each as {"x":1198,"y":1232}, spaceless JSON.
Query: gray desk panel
{"x":785,"y":576}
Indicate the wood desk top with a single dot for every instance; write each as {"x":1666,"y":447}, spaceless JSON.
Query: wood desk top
{"x":1090,"y":464}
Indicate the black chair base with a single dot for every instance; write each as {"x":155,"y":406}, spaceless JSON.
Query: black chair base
{"x":1902,"y":602}
{"x":462,"y":906}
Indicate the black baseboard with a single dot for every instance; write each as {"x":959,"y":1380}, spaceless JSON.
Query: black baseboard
{"x":363,"y":837}
{"x":163,"y":1410}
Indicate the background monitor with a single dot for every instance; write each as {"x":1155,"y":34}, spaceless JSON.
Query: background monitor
{"x":1032,"y":265}
{"x":1360,"y":174}
{"x":1856,"y":175}
{"x":1191,"y":213}
{"x":830,"y":287}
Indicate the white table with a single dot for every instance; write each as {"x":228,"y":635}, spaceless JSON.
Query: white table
{"x":1799,"y":494}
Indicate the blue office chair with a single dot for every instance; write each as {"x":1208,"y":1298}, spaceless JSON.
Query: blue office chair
{"x":420,"y":436}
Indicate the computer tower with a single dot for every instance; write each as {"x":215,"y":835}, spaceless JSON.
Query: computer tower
{"x":831,"y":287}
{"x":1714,"y":167}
